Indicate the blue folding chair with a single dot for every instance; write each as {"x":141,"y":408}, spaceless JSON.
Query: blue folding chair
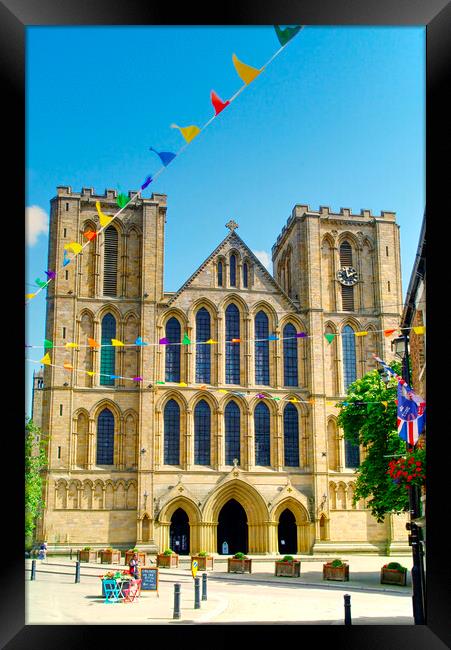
{"x":112,"y":591}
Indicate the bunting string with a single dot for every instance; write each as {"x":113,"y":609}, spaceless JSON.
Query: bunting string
{"x":247,"y":74}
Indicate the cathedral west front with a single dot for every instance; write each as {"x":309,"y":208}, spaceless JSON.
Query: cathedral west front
{"x":210,"y":424}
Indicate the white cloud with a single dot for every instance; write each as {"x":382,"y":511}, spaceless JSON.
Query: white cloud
{"x":265,"y":259}
{"x":36,"y":223}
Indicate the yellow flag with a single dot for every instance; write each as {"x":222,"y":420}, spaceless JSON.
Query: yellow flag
{"x":74,"y":247}
{"x":360,"y":333}
{"x":90,"y":373}
{"x":419,"y":330}
{"x":104,"y":219}
{"x":46,"y":360}
{"x":68,"y":366}
{"x":210,"y":341}
{"x":330,"y":403}
{"x":116,"y":342}
{"x":246,"y":72}
{"x":221,"y":390}
{"x":188,"y":132}
{"x":385,"y":404}
{"x":293,"y":399}
{"x":72,"y":345}
{"x":182,"y":383}
{"x":30,"y":295}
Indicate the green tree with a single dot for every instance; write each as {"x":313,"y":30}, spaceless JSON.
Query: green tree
{"x":367,"y":421}
{"x":35,"y":462}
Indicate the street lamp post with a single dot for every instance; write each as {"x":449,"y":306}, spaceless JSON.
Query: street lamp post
{"x":401,"y":348}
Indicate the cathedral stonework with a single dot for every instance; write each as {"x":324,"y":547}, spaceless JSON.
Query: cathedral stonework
{"x":218,"y":432}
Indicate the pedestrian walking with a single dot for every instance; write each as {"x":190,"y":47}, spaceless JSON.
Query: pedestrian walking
{"x":42,"y":551}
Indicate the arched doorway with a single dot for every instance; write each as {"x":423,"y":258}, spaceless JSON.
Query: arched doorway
{"x":179,"y":532}
{"x":287,"y":533}
{"x":232,"y":528}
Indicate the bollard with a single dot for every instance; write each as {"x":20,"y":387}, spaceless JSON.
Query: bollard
{"x":33,"y":570}
{"x":70,"y":557}
{"x":347,"y":598}
{"x":196,"y":593}
{"x":177,"y":590}
{"x":77,"y":571}
{"x":204,"y":586}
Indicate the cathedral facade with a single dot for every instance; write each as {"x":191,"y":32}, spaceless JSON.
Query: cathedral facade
{"x":205,"y":419}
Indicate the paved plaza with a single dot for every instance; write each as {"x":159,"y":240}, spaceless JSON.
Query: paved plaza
{"x":260,"y":597}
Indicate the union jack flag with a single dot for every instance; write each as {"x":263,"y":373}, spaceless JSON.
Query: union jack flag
{"x":411,"y":414}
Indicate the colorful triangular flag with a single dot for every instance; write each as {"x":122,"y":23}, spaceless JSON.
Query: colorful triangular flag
{"x":285,"y":35}
{"x":246,"y":72}
{"x":104,"y":219}
{"x":51,"y":275}
{"x":329,"y":337}
{"x":217,"y":102}
{"x":74,"y":247}
{"x":116,"y":343}
{"x":122,"y":200}
{"x":147,"y":182}
{"x":188,"y":132}
{"x":48,"y":345}
{"x":90,"y":235}
{"x":41,"y":283}
{"x":139,"y":341}
{"x":93,"y":344}
{"x":420,"y":329}
{"x":46,"y":360}
{"x":186,"y":340}
{"x":166,"y":157}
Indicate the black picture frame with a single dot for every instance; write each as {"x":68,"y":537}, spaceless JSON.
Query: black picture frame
{"x":15,"y":16}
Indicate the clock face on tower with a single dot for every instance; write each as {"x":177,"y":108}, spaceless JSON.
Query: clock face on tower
{"x":347,"y":275}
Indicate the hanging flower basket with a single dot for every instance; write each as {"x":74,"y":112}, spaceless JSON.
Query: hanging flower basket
{"x":288,"y":567}
{"x":393,"y":574}
{"x":409,"y":470}
{"x":336,"y":570}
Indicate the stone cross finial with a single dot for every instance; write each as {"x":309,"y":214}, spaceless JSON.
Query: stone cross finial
{"x":231,"y":225}
{"x":235,"y":462}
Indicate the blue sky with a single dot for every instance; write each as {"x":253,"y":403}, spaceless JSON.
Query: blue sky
{"x":337,"y":119}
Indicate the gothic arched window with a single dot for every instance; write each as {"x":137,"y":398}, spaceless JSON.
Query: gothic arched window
{"x":232,"y":432}
{"x":173,"y":351}
{"x":172,"y":433}
{"x":347,"y":293}
{"x":203,"y":351}
{"x":233,"y":271}
{"x":291,"y":435}
{"x":110,"y":256}
{"x":261,"y":349}
{"x":107,"y":351}
{"x":245,"y":275}
{"x":105,"y":438}
{"x":232,"y":326}
{"x":262,"y":435}
{"x":349,"y":356}
{"x":219,"y":274}
{"x":290,"y":356}
{"x":202,"y":433}
{"x":352,"y":454}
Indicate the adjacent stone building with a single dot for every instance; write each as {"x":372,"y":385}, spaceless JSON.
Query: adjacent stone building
{"x":213,"y":427}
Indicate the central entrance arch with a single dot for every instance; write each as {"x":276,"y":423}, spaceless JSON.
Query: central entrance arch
{"x":287,"y":533}
{"x":179,"y":532}
{"x":232,"y":528}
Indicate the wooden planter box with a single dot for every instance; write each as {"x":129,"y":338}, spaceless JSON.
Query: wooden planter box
{"x":239,"y":566}
{"x":290,"y":569}
{"x":110,"y":557}
{"x":88,"y":556}
{"x":393,"y":577}
{"x":142,"y":558}
{"x":167,"y":561}
{"x":203,"y":562}
{"x":336,"y":572}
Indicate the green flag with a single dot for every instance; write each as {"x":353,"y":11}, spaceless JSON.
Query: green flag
{"x":329,"y":337}
{"x":122,"y":200}
{"x":285,"y":35}
{"x":186,"y":340}
{"x":48,"y":344}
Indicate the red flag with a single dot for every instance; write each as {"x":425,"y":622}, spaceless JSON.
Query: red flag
{"x":217,"y":102}
{"x":90,"y":234}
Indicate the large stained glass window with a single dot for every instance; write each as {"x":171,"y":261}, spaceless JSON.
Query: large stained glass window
{"x":105,"y":438}
{"x":232,"y":325}
{"x":173,"y":351}
{"x":349,"y":356}
{"x":262,"y":435}
{"x":203,"y":352}
{"x":202,"y":433}
{"x":108,"y":353}
{"x":232,"y":432}
{"x":290,"y":356}
{"x":172,"y":433}
{"x":261,"y":349}
{"x":291,"y":435}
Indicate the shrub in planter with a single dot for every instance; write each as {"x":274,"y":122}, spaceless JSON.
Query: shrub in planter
{"x":204,"y":560}
{"x":142,"y":557}
{"x":393,"y":573}
{"x":239,"y":563}
{"x":336,"y":570}
{"x":110,"y":556}
{"x":288,"y":566}
{"x":87,"y":554}
{"x":168,"y":559}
